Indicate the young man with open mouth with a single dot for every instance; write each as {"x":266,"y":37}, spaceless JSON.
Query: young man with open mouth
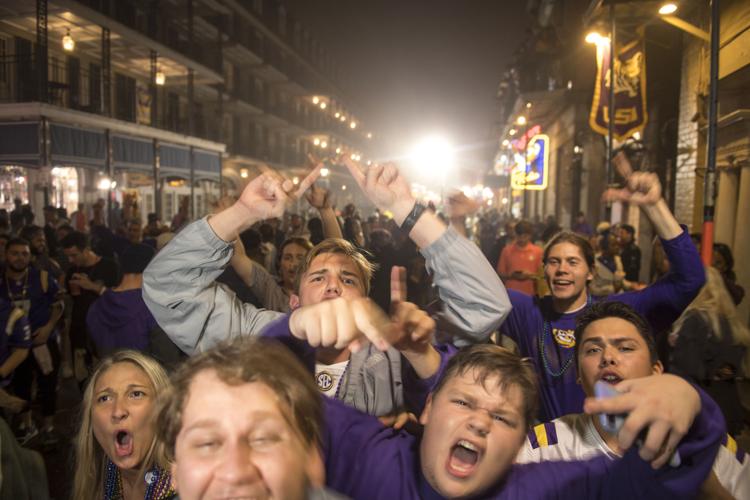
{"x":615,"y":345}
{"x":475,"y":421}
{"x":543,"y":327}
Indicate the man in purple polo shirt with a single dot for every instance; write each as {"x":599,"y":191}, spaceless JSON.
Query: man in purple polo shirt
{"x":544,"y":328}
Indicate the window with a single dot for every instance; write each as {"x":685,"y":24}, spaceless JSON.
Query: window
{"x":3,"y":61}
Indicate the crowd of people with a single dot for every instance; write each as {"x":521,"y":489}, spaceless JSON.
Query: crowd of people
{"x":328,"y":354}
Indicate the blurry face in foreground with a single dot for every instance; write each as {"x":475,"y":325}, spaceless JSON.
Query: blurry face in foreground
{"x":472,"y":434}
{"x":235,"y":442}
{"x":121,"y":414}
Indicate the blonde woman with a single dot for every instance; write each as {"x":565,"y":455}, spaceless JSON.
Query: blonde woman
{"x":117,"y":453}
{"x":711,"y":347}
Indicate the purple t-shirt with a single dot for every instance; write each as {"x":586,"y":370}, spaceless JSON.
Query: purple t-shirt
{"x":661,"y":304}
{"x":364,"y":459}
{"x":120,"y":320}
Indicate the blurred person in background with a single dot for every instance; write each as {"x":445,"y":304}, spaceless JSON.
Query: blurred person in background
{"x":710,"y":346}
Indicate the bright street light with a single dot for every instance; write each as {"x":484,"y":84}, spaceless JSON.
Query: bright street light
{"x":68,"y":43}
{"x":324,"y":172}
{"x":596,"y":38}
{"x":668,"y":8}
{"x":521,"y":120}
{"x":433,"y":154}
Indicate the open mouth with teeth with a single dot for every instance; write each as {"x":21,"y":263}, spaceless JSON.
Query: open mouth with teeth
{"x":611,"y":378}
{"x":123,"y":443}
{"x":561,"y":284}
{"x":463,"y":459}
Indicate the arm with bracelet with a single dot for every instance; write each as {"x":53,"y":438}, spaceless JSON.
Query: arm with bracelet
{"x":474,"y":298}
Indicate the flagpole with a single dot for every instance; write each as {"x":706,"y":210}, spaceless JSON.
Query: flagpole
{"x":709,"y":188}
{"x":611,"y":105}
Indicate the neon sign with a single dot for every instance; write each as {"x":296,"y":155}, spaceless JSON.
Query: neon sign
{"x":532,"y":172}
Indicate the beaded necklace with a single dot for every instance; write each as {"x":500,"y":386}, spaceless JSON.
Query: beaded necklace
{"x":13,"y":296}
{"x":341,"y":380}
{"x":158,"y":480}
{"x":547,"y":332}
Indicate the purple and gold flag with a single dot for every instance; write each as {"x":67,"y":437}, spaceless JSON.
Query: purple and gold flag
{"x":630,"y":91}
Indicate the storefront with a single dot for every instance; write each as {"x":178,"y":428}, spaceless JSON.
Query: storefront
{"x":43,"y":162}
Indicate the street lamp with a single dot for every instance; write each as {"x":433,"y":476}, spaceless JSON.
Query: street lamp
{"x":668,"y":8}
{"x":315,"y":99}
{"x":353,"y":125}
{"x":160,"y":78}
{"x":521,"y":120}
{"x":512,"y":132}
{"x":68,"y":43}
{"x":596,"y":38}
{"x":324,"y":172}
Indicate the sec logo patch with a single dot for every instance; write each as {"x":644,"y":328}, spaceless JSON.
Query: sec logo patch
{"x":324,"y":381}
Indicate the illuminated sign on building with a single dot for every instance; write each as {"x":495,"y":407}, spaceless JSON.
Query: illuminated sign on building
{"x":532,"y":172}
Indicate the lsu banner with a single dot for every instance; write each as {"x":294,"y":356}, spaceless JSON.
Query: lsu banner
{"x":630,"y":91}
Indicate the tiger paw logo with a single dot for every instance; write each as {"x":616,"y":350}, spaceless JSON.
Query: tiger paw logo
{"x":565,"y":338}
{"x":324,"y":381}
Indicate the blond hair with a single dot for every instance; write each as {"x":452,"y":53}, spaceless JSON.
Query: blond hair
{"x":90,"y":467}
{"x":713,"y":303}
{"x":343,"y":247}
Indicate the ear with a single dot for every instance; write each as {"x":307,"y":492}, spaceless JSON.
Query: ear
{"x":657,"y":368}
{"x":590,"y":275}
{"x":294,"y":301}
{"x":424,"y":418}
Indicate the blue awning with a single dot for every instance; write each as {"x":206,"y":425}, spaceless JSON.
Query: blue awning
{"x":19,"y":143}
{"x":174,"y":161}
{"x":206,"y":165}
{"x":77,"y":145}
{"x":130,"y":153}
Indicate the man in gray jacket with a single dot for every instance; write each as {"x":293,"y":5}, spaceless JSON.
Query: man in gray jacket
{"x":197,"y":313}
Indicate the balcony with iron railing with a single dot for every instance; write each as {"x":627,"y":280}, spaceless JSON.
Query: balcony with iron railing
{"x":156,"y":21}
{"x":71,"y":85}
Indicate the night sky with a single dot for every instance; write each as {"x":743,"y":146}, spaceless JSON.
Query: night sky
{"x":418,"y":67}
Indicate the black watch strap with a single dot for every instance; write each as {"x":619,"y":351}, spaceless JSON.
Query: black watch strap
{"x":413,"y":217}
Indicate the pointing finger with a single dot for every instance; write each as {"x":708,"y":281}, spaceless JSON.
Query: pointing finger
{"x":354,"y":169}
{"x":309,"y":180}
{"x":398,"y":284}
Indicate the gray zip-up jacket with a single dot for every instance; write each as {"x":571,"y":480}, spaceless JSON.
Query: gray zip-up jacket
{"x":197,"y":313}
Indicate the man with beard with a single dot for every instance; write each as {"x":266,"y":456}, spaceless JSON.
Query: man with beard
{"x":40,"y":253}
{"x":36,"y":293}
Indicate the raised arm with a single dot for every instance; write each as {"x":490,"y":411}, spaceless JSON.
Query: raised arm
{"x":179,"y":284}
{"x":319,"y":198}
{"x":664,"y":301}
{"x":260,"y":281}
{"x":474,"y":297}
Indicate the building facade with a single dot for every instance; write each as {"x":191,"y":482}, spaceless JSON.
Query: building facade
{"x":165,"y":103}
